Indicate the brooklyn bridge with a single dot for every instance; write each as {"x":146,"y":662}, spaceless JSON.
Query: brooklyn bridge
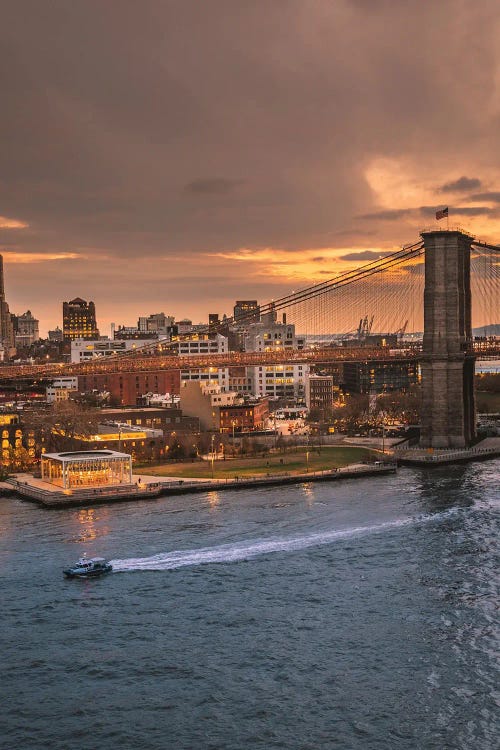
{"x":444,"y":284}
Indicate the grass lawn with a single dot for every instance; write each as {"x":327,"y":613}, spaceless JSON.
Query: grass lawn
{"x":275,"y":463}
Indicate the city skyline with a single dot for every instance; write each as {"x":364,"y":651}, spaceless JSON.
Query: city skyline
{"x":178,"y":157}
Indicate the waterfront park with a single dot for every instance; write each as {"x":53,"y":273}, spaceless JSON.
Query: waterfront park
{"x":298,"y":460}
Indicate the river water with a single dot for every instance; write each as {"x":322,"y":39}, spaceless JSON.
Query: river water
{"x":359,"y":614}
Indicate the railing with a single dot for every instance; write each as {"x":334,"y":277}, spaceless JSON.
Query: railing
{"x":58,"y":497}
{"x":440,"y":454}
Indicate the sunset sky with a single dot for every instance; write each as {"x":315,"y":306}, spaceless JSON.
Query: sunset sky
{"x":175,"y":155}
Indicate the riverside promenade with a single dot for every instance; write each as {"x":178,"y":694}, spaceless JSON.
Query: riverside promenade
{"x":151,"y":487}
{"x":486,"y":449}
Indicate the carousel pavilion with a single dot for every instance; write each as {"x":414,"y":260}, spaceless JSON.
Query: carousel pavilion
{"x":80,"y":469}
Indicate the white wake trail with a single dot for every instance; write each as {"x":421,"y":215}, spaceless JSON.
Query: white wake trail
{"x":245,"y":550}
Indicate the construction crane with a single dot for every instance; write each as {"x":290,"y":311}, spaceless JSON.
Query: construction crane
{"x":401,"y":331}
{"x":365,"y":327}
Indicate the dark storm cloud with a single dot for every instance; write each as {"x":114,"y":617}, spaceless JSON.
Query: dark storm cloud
{"x":462,"y":185}
{"x":173,"y":129}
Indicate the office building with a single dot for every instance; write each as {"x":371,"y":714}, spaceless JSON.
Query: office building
{"x":6,"y":327}
{"x":285,"y":382}
{"x":25,"y":330}
{"x":246,"y":311}
{"x":84,"y":350}
{"x":270,"y":335}
{"x":247,"y":416}
{"x":79,"y":321}
{"x":128,"y":388}
{"x":320,"y":393}
{"x":380,"y":376}
{"x":159,"y":323}
{"x":56,"y":335}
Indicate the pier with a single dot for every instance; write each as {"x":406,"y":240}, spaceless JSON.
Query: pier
{"x":149,"y":488}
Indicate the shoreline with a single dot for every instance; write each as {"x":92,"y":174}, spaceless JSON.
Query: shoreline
{"x":151,"y":491}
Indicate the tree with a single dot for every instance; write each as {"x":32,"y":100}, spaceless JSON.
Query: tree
{"x":58,"y":428}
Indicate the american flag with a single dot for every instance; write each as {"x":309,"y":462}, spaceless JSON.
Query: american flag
{"x":441,"y":214}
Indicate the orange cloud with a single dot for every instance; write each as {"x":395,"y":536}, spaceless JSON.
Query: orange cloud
{"x":39,"y":257}
{"x":6,"y":223}
{"x":301,"y":267}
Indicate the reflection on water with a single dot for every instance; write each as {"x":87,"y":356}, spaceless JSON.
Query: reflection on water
{"x":349,"y":616}
{"x":308,"y":492}
{"x":90,"y":525}
{"x":213,"y":500}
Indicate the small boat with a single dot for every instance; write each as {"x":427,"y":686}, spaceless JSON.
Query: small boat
{"x":88,"y":568}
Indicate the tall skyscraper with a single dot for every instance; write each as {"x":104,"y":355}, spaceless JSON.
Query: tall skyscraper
{"x":6,"y":328}
{"x":79,"y":320}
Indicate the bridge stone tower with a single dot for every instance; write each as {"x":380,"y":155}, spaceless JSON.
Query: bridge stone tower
{"x":448,"y":408}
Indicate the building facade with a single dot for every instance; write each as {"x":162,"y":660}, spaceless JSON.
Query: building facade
{"x":79,"y":320}
{"x":56,"y":335}
{"x":61,"y":388}
{"x":246,"y":311}
{"x":6,"y":327}
{"x":26,"y":330}
{"x":127,"y":388}
{"x":285,"y":382}
{"x":380,"y":376}
{"x":158,"y":323}
{"x":81,"y":469}
{"x":205,"y":402}
{"x":248,"y":416}
{"x":270,"y":335}
{"x":319,"y":392}
{"x":84,"y":350}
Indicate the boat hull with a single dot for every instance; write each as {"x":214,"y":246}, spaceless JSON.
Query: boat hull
{"x":69,"y":573}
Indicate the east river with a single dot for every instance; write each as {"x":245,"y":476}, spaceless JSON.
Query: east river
{"x":361,"y":614}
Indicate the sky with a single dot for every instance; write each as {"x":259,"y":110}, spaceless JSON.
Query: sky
{"x":177,"y":155}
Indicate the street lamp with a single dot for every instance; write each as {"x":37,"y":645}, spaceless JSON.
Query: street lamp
{"x":213,"y":455}
{"x":307,"y":462}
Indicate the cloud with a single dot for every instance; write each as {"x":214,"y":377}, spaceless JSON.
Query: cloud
{"x":430,"y":211}
{"x":461,"y":185}
{"x":365,"y":255}
{"x":177,"y":130}
{"x":493,"y":197}
{"x":39,"y":257}
{"x":6,"y":223}
{"x":390,"y":214}
{"x":212,"y":186}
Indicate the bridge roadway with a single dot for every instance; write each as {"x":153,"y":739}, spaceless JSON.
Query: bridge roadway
{"x":151,"y":363}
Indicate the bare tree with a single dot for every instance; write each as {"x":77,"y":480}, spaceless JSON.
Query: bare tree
{"x":58,"y":428}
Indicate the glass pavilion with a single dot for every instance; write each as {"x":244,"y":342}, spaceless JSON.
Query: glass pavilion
{"x":80,"y":469}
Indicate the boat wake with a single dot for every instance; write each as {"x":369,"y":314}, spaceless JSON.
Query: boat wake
{"x":246,"y":550}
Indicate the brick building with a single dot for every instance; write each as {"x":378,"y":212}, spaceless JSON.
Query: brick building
{"x":246,"y":417}
{"x":127,"y":387}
